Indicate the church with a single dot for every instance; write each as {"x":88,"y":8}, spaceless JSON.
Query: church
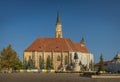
{"x":57,"y":52}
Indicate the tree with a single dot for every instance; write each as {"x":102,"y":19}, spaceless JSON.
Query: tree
{"x":41,"y":63}
{"x":25,"y":64}
{"x":66,"y":60}
{"x":101,"y":64}
{"x":51,"y":64}
{"x":91,"y":65}
{"x":30,"y":64}
{"x":9,"y":59}
{"x":48,"y":63}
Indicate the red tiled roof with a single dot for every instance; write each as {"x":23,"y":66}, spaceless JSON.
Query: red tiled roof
{"x":104,"y":62}
{"x":55,"y":44}
{"x":51,"y":44}
{"x":81,"y":48}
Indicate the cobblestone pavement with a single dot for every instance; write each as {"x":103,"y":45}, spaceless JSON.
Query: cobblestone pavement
{"x":49,"y":77}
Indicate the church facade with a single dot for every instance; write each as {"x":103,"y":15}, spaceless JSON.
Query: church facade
{"x":57,"y":52}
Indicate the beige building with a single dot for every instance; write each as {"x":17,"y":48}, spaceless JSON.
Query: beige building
{"x":58,"y":51}
{"x":112,"y":66}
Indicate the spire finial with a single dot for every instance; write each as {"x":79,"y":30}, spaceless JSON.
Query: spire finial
{"x":58,"y":17}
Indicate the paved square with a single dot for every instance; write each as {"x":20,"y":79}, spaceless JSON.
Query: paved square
{"x":49,"y":77}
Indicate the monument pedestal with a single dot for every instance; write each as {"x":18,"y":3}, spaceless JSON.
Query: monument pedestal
{"x":76,"y":67}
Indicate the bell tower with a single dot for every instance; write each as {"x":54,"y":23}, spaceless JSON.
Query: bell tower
{"x":58,"y":33}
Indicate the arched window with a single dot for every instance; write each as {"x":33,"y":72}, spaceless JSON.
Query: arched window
{"x":31,"y":63}
{"x":48,"y":63}
{"x":41,"y":62}
{"x":58,"y":58}
{"x":48,"y":57}
{"x":33,"y":56}
{"x":29,"y":58}
{"x":66,"y":60}
{"x":40,"y":58}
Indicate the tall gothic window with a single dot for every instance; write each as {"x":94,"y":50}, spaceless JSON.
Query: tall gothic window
{"x":66,"y":60}
{"x":41,"y":62}
{"x":31,"y":64}
{"x":29,"y":58}
{"x":40,"y":58}
{"x":33,"y":56}
{"x":48,"y":63}
{"x":58,"y":58}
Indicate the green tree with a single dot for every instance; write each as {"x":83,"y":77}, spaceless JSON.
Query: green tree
{"x":101,"y":64}
{"x":66,"y":60}
{"x":9,"y":59}
{"x":41,"y":63}
{"x":51,"y":64}
{"x":48,"y":63}
{"x":91,"y":65}
{"x":25,"y":66}
{"x":30,"y":64}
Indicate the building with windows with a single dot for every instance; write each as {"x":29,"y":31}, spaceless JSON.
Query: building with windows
{"x":56,"y":52}
{"x":112,"y":66}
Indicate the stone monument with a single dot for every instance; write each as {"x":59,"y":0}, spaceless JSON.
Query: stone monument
{"x":76,"y":66}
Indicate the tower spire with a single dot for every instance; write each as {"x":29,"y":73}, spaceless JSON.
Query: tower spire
{"x":58,"y":33}
{"x":58,"y":17}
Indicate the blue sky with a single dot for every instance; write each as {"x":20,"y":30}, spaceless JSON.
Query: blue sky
{"x":98,"y":21}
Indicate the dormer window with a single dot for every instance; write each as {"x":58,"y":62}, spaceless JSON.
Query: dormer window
{"x":57,"y":47}
{"x":39,"y":46}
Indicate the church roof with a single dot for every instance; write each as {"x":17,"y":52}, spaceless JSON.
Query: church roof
{"x":80,"y":48}
{"x":55,"y":44}
{"x":51,"y":44}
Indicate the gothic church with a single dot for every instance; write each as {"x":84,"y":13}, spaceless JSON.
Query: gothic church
{"x":58,"y":51}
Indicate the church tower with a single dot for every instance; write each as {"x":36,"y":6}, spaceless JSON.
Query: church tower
{"x":82,"y":42}
{"x":58,"y":33}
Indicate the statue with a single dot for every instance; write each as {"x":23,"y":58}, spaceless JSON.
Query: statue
{"x":76,"y":66}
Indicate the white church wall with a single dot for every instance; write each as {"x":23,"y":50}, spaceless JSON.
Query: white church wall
{"x":84,"y":58}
